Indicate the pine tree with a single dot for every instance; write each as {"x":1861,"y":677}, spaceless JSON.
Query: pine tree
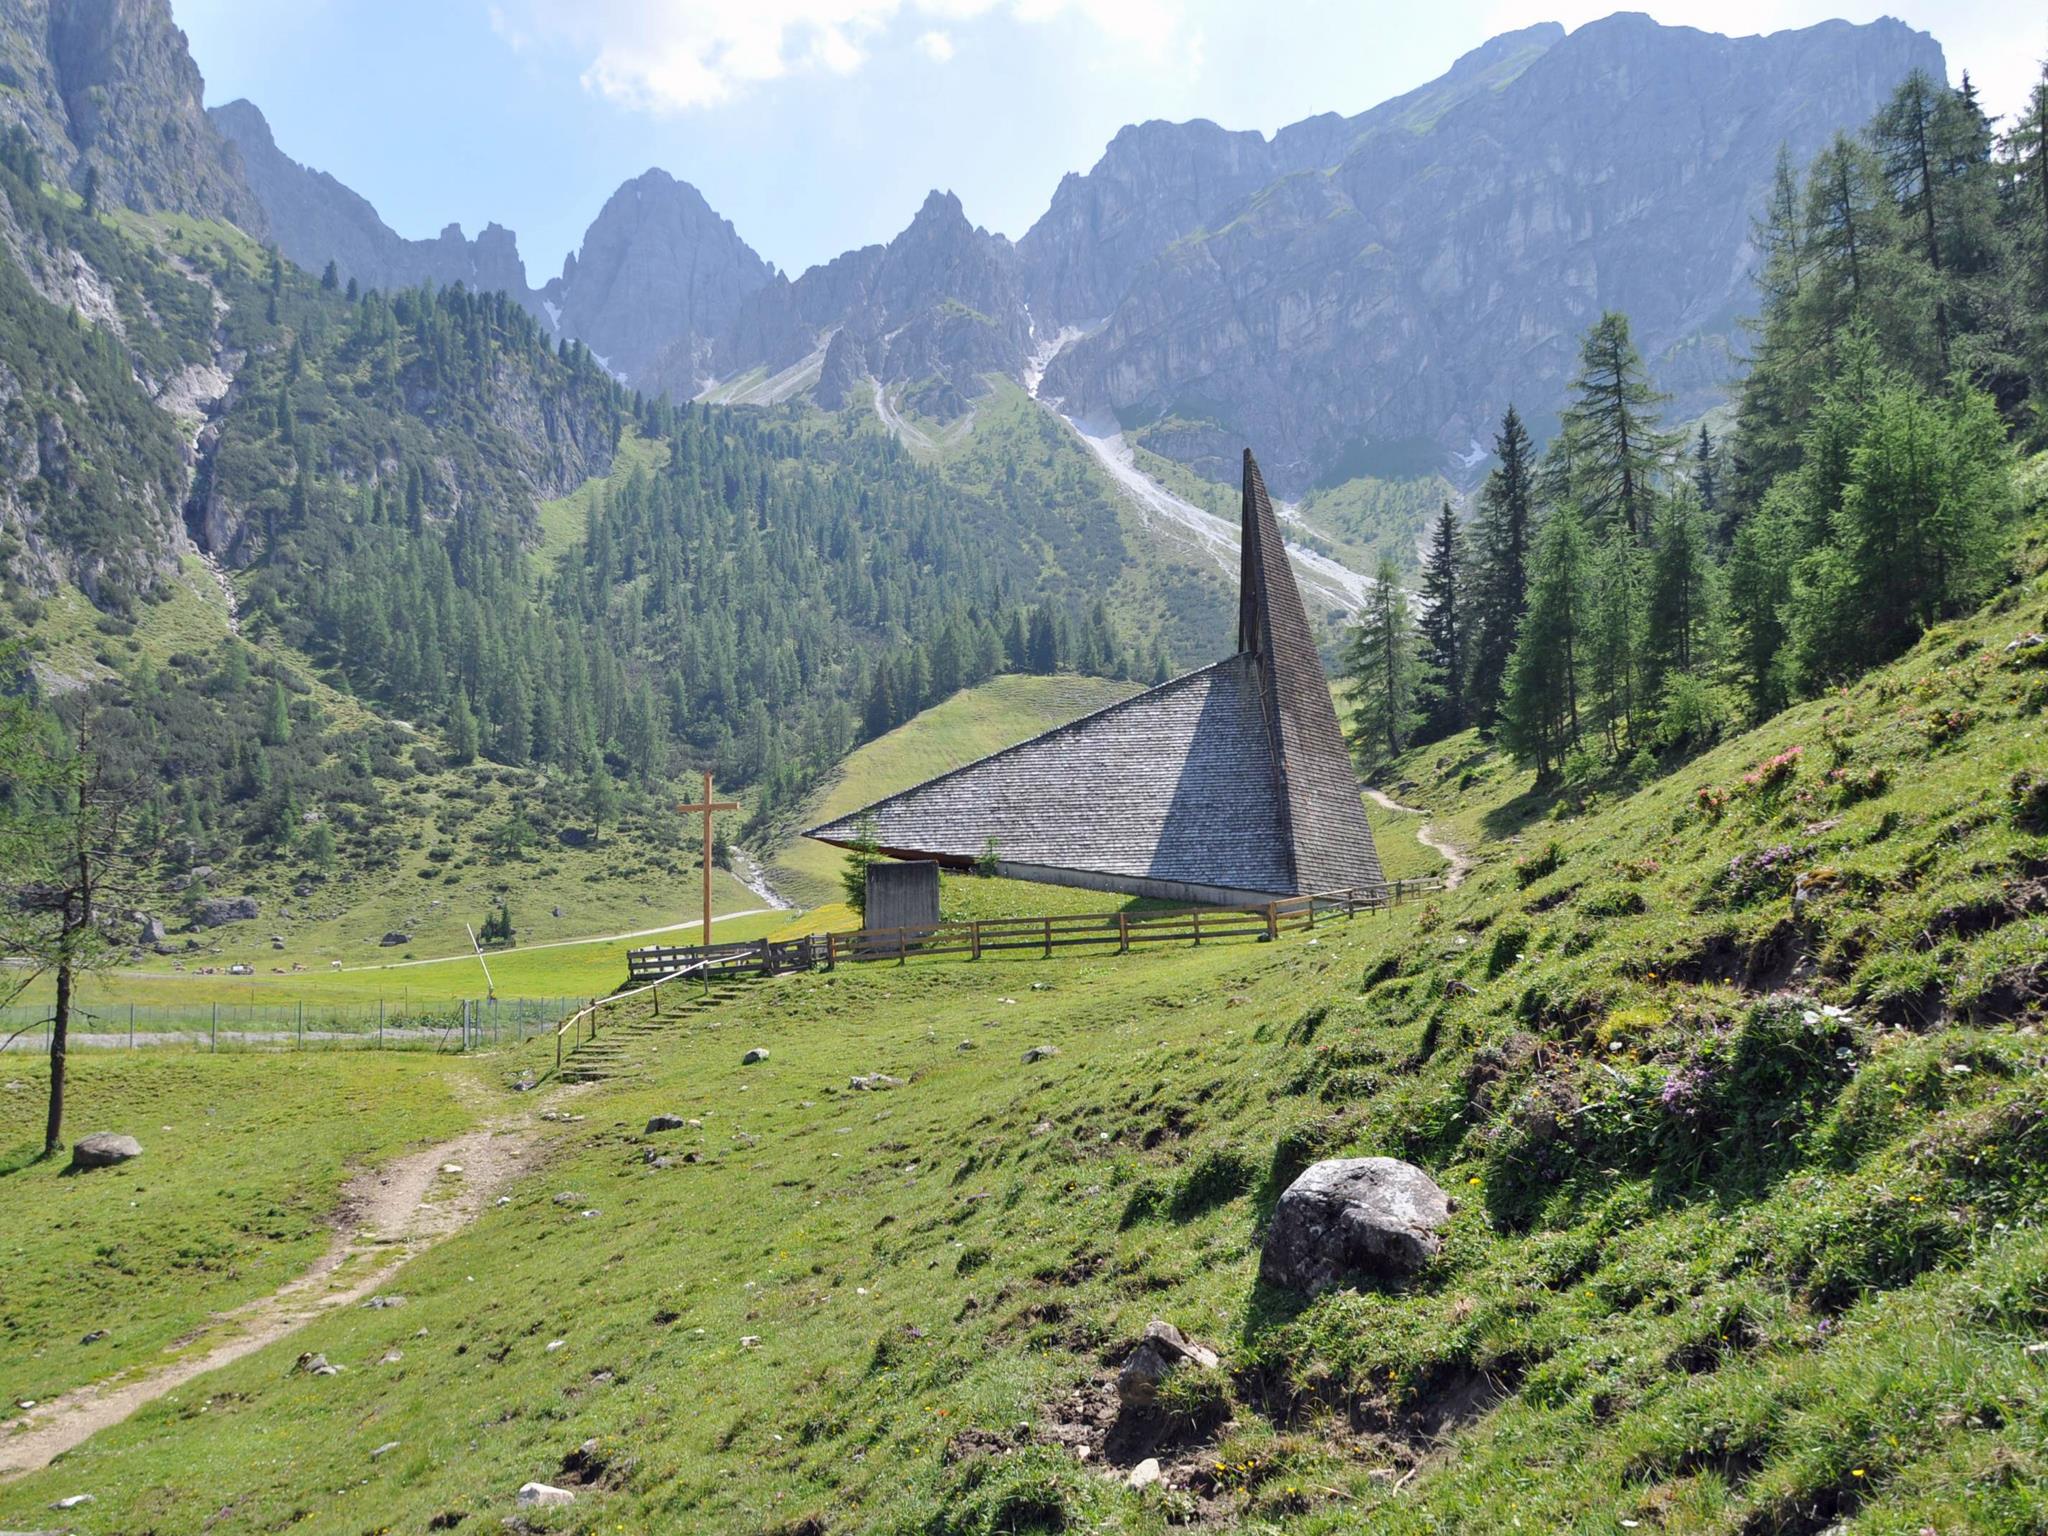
{"x":1443,"y":628}
{"x":1540,"y":710}
{"x":1612,"y":425}
{"x":1507,"y":510}
{"x":1380,"y":663}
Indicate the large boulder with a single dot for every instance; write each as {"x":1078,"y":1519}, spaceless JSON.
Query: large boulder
{"x":103,"y":1149}
{"x":1353,"y":1219}
{"x":216,"y":910}
{"x":394,"y":938}
{"x":1162,"y":1351}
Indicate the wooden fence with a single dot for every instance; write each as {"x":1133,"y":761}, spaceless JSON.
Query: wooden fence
{"x":764,"y":956}
{"x":1120,"y":931}
{"x":972,"y":940}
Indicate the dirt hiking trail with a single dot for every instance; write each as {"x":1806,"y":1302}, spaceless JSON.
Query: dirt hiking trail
{"x":387,"y":1216}
{"x":1460,"y":861}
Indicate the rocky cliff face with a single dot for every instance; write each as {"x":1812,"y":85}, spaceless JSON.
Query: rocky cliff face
{"x":1356,"y":317}
{"x":657,"y":266}
{"x":315,"y":219}
{"x":107,"y":87}
{"x":934,"y":309}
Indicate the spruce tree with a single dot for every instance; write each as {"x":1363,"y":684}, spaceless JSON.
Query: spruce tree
{"x":1507,"y":510}
{"x":1680,"y":605}
{"x":1443,"y":626}
{"x":1380,"y":663}
{"x":277,"y":717}
{"x":1540,"y":708}
{"x":1613,"y":638}
{"x":463,"y":735}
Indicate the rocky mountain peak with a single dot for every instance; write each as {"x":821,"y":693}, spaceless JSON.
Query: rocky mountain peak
{"x":657,"y":265}
{"x":109,"y":86}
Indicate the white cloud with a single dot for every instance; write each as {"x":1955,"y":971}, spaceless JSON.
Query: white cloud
{"x":674,"y":55}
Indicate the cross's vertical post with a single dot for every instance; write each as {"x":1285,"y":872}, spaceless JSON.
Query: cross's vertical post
{"x":707,"y":808}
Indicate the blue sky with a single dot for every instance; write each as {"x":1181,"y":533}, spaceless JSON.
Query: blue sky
{"x":816,"y":125}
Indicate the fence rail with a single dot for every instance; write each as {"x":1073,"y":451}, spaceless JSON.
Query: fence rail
{"x":451,"y":1025}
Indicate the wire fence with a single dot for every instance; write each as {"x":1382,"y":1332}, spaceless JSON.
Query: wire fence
{"x":454,"y":1024}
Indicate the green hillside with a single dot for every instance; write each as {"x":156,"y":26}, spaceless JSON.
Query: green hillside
{"x":1747,"y":1229}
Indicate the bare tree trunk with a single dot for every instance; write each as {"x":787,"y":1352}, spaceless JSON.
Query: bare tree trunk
{"x":60,"y":1032}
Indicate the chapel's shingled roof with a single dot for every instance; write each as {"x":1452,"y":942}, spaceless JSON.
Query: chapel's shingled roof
{"x":1233,"y":780}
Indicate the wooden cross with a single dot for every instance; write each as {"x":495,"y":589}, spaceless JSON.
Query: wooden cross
{"x":707,"y":808}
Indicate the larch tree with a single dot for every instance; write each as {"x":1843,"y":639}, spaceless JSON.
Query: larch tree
{"x":1612,"y":426}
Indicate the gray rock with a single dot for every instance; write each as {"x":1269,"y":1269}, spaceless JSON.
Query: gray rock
{"x":217,"y":910}
{"x":1354,"y":1218}
{"x":758,"y":1053}
{"x":315,"y":1365}
{"x":103,"y":1149}
{"x":1040,"y":1053}
{"x":544,"y":1495}
{"x":153,"y":930}
{"x":874,"y":1082}
{"x":1145,"y":1473}
{"x":74,"y":1501}
{"x":385,"y":1449}
{"x":1162,"y":1351}
{"x":394,"y":938}
{"x":665,"y":1123}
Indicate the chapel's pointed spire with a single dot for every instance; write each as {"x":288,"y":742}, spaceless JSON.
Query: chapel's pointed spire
{"x":1328,"y":839}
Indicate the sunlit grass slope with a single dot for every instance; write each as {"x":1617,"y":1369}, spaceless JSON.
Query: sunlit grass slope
{"x":244,"y":1158}
{"x":1748,"y":1228}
